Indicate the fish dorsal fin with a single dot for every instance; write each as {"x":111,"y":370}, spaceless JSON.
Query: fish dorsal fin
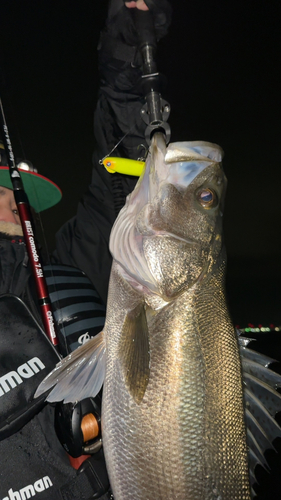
{"x":78,"y":376}
{"x":262,"y":402}
{"x":134,"y":352}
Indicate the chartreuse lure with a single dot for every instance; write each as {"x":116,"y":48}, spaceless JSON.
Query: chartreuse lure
{"x":123,"y":166}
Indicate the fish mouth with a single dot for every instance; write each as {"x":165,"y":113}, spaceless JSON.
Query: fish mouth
{"x":140,"y":220}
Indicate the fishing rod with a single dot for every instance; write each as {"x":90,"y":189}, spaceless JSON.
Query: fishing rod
{"x":156,"y":110}
{"x":25,"y":215}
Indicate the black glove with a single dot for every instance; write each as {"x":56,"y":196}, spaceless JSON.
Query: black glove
{"x":161,"y":11}
{"x":120,"y":38}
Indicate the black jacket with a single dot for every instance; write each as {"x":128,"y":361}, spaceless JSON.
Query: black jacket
{"x":83,"y":241}
{"x":34,"y":452}
{"x":32,"y":460}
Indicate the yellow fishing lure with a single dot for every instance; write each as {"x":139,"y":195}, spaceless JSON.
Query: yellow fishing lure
{"x":123,"y":166}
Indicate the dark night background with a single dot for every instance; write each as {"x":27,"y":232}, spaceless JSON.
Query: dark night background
{"x":222,"y":63}
{"x":221,"y":60}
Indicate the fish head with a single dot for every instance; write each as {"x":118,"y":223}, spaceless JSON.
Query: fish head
{"x":169,"y":234}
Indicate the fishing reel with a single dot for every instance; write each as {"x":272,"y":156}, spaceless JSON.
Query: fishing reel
{"x":78,"y":426}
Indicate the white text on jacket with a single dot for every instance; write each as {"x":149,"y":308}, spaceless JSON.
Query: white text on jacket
{"x":14,"y":378}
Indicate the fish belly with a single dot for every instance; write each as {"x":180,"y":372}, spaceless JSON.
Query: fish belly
{"x":186,"y":438}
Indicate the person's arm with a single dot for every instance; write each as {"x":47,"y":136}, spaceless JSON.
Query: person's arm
{"x":83,"y":241}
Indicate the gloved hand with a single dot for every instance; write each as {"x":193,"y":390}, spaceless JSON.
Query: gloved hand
{"x":161,"y":11}
{"x":120,"y":24}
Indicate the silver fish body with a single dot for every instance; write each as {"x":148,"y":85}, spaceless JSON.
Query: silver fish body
{"x":172,"y":412}
{"x":173,"y":415}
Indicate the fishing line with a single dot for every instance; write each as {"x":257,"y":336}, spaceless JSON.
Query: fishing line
{"x":119,"y":196}
{"x":38,"y":222}
{"x":37,"y":219}
{"x":116,"y":145}
{"x":13,"y":118}
{"x":24,"y":211}
{"x":133,"y":126}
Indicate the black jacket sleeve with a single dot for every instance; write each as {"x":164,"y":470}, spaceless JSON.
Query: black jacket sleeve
{"x":83,"y":241}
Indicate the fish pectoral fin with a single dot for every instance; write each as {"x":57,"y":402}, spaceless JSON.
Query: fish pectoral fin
{"x":134,"y":352}
{"x":78,"y":376}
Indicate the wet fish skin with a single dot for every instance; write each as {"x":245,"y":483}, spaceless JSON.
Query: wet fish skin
{"x":172,"y":412}
{"x":173,"y":416}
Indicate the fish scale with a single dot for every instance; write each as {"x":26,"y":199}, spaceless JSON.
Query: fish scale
{"x":180,"y":415}
{"x":224,"y":410}
{"x":138,"y":424}
{"x":170,"y":423}
{"x":176,"y":396}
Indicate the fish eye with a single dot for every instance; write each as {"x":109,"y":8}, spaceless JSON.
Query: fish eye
{"x":207,"y":198}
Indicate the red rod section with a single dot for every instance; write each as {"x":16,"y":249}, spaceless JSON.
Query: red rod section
{"x":37,"y":270}
{"x":27,"y":226}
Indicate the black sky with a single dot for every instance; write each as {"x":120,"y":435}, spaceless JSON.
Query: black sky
{"x":221,"y":60}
